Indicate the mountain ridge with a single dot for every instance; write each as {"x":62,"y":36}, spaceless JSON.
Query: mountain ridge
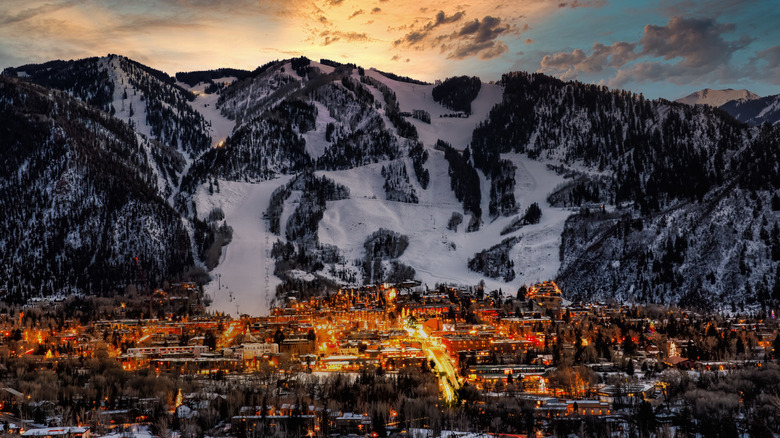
{"x":717,"y":98}
{"x":566,"y":146}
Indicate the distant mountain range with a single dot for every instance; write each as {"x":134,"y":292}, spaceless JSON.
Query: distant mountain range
{"x":717,"y":97}
{"x":745,"y":106}
{"x":302,"y":174}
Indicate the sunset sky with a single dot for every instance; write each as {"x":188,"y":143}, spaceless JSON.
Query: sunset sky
{"x":663,"y":48}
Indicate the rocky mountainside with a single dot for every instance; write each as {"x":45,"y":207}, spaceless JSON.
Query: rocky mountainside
{"x":354,"y":177}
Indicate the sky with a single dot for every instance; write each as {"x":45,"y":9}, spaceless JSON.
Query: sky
{"x":661,"y":48}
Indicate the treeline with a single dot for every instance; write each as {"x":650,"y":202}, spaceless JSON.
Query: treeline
{"x":83,"y":78}
{"x":193,"y":78}
{"x":502,"y":189}
{"x":457,"y":93}
{"x":464,"y":181}
{"x":533,"y":214}
{"x":336,"y":64}
{"x":399,"y":78}
{"x":495,"y":262}
{"x":655,"y":149}
{"x":258,"y":151}
{"x":359,"y":148}
{"x":419,"y":156}
{"x":167,"y":110}
{"x":380,"y":264}
{"x":362,"y":93}
{"x":303,"y":250}
{"x":397,"y":186}
{"x":392,"y":110}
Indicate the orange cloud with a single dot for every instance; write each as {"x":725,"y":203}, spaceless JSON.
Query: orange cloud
{"x":179,"y":35}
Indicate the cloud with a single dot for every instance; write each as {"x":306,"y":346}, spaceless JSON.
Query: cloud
{"x":683,"y":51}
{"x":698,"y":42}
{"x":601,"y":56}
{"x":329,"y":37}
{"x":771,"y":56}
{"x":582,"y":4}
{"x":175,"y":35}
{"x":479,"y":38}
{"x":484,"y":50}
{"x":489,"y":29}
{"x":474,"y":38}
{"x":418,"y":36}
{"x":26,"y":14}
{"x":764,"y":66}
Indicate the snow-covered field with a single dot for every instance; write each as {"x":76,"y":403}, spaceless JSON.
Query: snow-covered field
{"x":243,"y":282}
{"x":456,"y":131}
{"x":206,"y":104}
{"x":437,"y":254}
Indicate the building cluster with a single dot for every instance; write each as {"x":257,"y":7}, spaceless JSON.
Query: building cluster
{"x":532,"y":344}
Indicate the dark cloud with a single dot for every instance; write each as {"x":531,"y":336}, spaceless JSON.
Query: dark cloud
{"x":442,"y":18}
{"x":418,"y":36}
{"x":487,"y":30}
{"x":601,"y":56}
{"x":478,"y":38}
{"x":682,"y":51}
{"x":356,"y":13}
{"x":474,"y":38}
{"x":698,"y":42}
{"x":335,"y":2}
{"x":483,"y":50}
{"x":376,"y":10}
{"x":330,"y":37}
{"x":582,"y":4}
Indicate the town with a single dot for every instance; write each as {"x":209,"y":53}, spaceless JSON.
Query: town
{"x":384,"y":360}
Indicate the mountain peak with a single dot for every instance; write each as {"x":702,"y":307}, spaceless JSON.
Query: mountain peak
{"x":717,"y":98}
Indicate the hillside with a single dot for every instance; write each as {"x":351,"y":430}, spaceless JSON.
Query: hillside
{"x":301,"y":175}
{"x":80,"y":200}
{"x":755,"y":112}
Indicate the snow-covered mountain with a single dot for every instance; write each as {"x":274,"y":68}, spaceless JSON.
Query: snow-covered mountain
{"x":301,"y":174}
{"x":755,"y":112}
{"x":717,"y":97}
{"x":80,"y":199}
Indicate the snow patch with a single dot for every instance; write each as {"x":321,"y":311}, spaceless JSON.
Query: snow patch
{"x":243,"y":282}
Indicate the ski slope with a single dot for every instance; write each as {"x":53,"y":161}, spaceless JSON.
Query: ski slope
{"x":455,"y":131}
{"x":437,"y":254}
{"x":220,"y":126}
{"x":243,"y":282}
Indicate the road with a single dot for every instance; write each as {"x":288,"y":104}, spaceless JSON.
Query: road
{"x":448,"y":376}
